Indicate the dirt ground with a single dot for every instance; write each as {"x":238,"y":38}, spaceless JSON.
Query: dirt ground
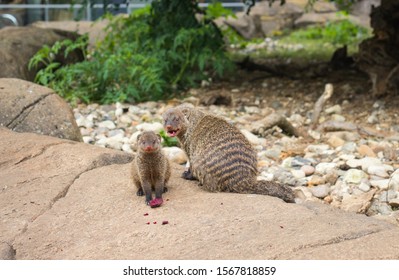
{"x":352,"y":91}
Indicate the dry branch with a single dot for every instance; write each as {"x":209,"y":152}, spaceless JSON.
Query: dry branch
{"x":318,"y":107}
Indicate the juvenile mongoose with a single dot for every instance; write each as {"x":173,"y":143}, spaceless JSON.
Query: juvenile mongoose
{"x":150,"y":168}
{"x":220,"y":156}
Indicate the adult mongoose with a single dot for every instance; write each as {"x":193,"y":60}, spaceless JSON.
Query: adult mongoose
{"x":220,"y":156}
{"x":150,"y":168}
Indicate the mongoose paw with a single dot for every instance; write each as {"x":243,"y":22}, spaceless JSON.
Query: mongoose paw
{"x":156,"y":202}
{"x":165,"y":189}
{"x":187,"y":175}
{"x":140,"y":192}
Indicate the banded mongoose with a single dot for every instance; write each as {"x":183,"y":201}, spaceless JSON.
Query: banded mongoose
{"x":150,"y":168}
{"x":220,"y":156}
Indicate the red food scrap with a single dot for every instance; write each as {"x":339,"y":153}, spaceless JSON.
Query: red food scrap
{"x":145,"y":214}
{"x":156,"y":202}
{"x":165,"y":222}
{"x":148,"y":223}
{"x":154,"y":223}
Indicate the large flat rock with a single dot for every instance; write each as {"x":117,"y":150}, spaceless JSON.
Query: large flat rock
{"x":67,"y":200}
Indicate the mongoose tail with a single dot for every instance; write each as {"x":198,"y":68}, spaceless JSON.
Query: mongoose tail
{"x":275,"y":189}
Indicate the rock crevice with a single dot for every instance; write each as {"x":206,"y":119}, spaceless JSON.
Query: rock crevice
{"x":21,"y":116}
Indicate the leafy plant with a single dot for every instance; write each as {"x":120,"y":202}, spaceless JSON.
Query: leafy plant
{"x":168,"y":141}
{"x":149,"y":55}
{"x":341,"y":32}
{"x":216,"y":10}
{"x":61,"y":78}
{"x":47,"y":55}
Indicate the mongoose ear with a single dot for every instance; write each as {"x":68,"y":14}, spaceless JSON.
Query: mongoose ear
{"x":185,"y":111}
{"x":138,"y":137}
{"x":159,"y":137}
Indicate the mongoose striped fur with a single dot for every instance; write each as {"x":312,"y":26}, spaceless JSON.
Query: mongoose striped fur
{"x":220,"y":156}
{"x":150,"y":168}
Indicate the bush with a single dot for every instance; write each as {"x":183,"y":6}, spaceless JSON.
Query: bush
{"x":338,"y":33}
{"x":151,"y":54}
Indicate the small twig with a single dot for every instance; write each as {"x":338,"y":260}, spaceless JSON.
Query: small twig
{"x":318,"y":107}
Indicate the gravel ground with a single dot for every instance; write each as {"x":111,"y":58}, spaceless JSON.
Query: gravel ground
{"x":353,"y":169}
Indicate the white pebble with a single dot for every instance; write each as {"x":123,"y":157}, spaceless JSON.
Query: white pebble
{"x":308,"y":170}
{"x":303,"y":193}
{"x":156,"y":127}
{"x":88,"y":140}
{"x":381,"y":184}
{"x":336,"y":109}
{"x":394,"y":181}
{"x":113,"y":143}
{"x":317,"y":148}
{"x":175,"y":154}
{"x":338,"y":118}
{"x":378,"y":170}
{"x":298,"y":174}
{"x":107,"y":124}
{"x":354,"y":176}
{"x":125,"y":119}
{"x":364,"y":185}
{"x":320,"y":191}
{"x":325,"y":167}
{"x":366,"y":162}
{"x":354,"y":163}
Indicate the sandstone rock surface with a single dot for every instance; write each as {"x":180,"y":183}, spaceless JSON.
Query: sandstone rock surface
{"x":95,"y":29}
{"x":28,"y":107}
{"x":61,"y":199}
{"x":19,"y":44}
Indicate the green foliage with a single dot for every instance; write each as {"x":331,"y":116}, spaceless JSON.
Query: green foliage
{"x":51,"y":73}
{"x":149,"y":55}
{"x":216,"y":10}
{"x":168,"y":141}
{"x":343,"y":32}
{"x":314,"y":43}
